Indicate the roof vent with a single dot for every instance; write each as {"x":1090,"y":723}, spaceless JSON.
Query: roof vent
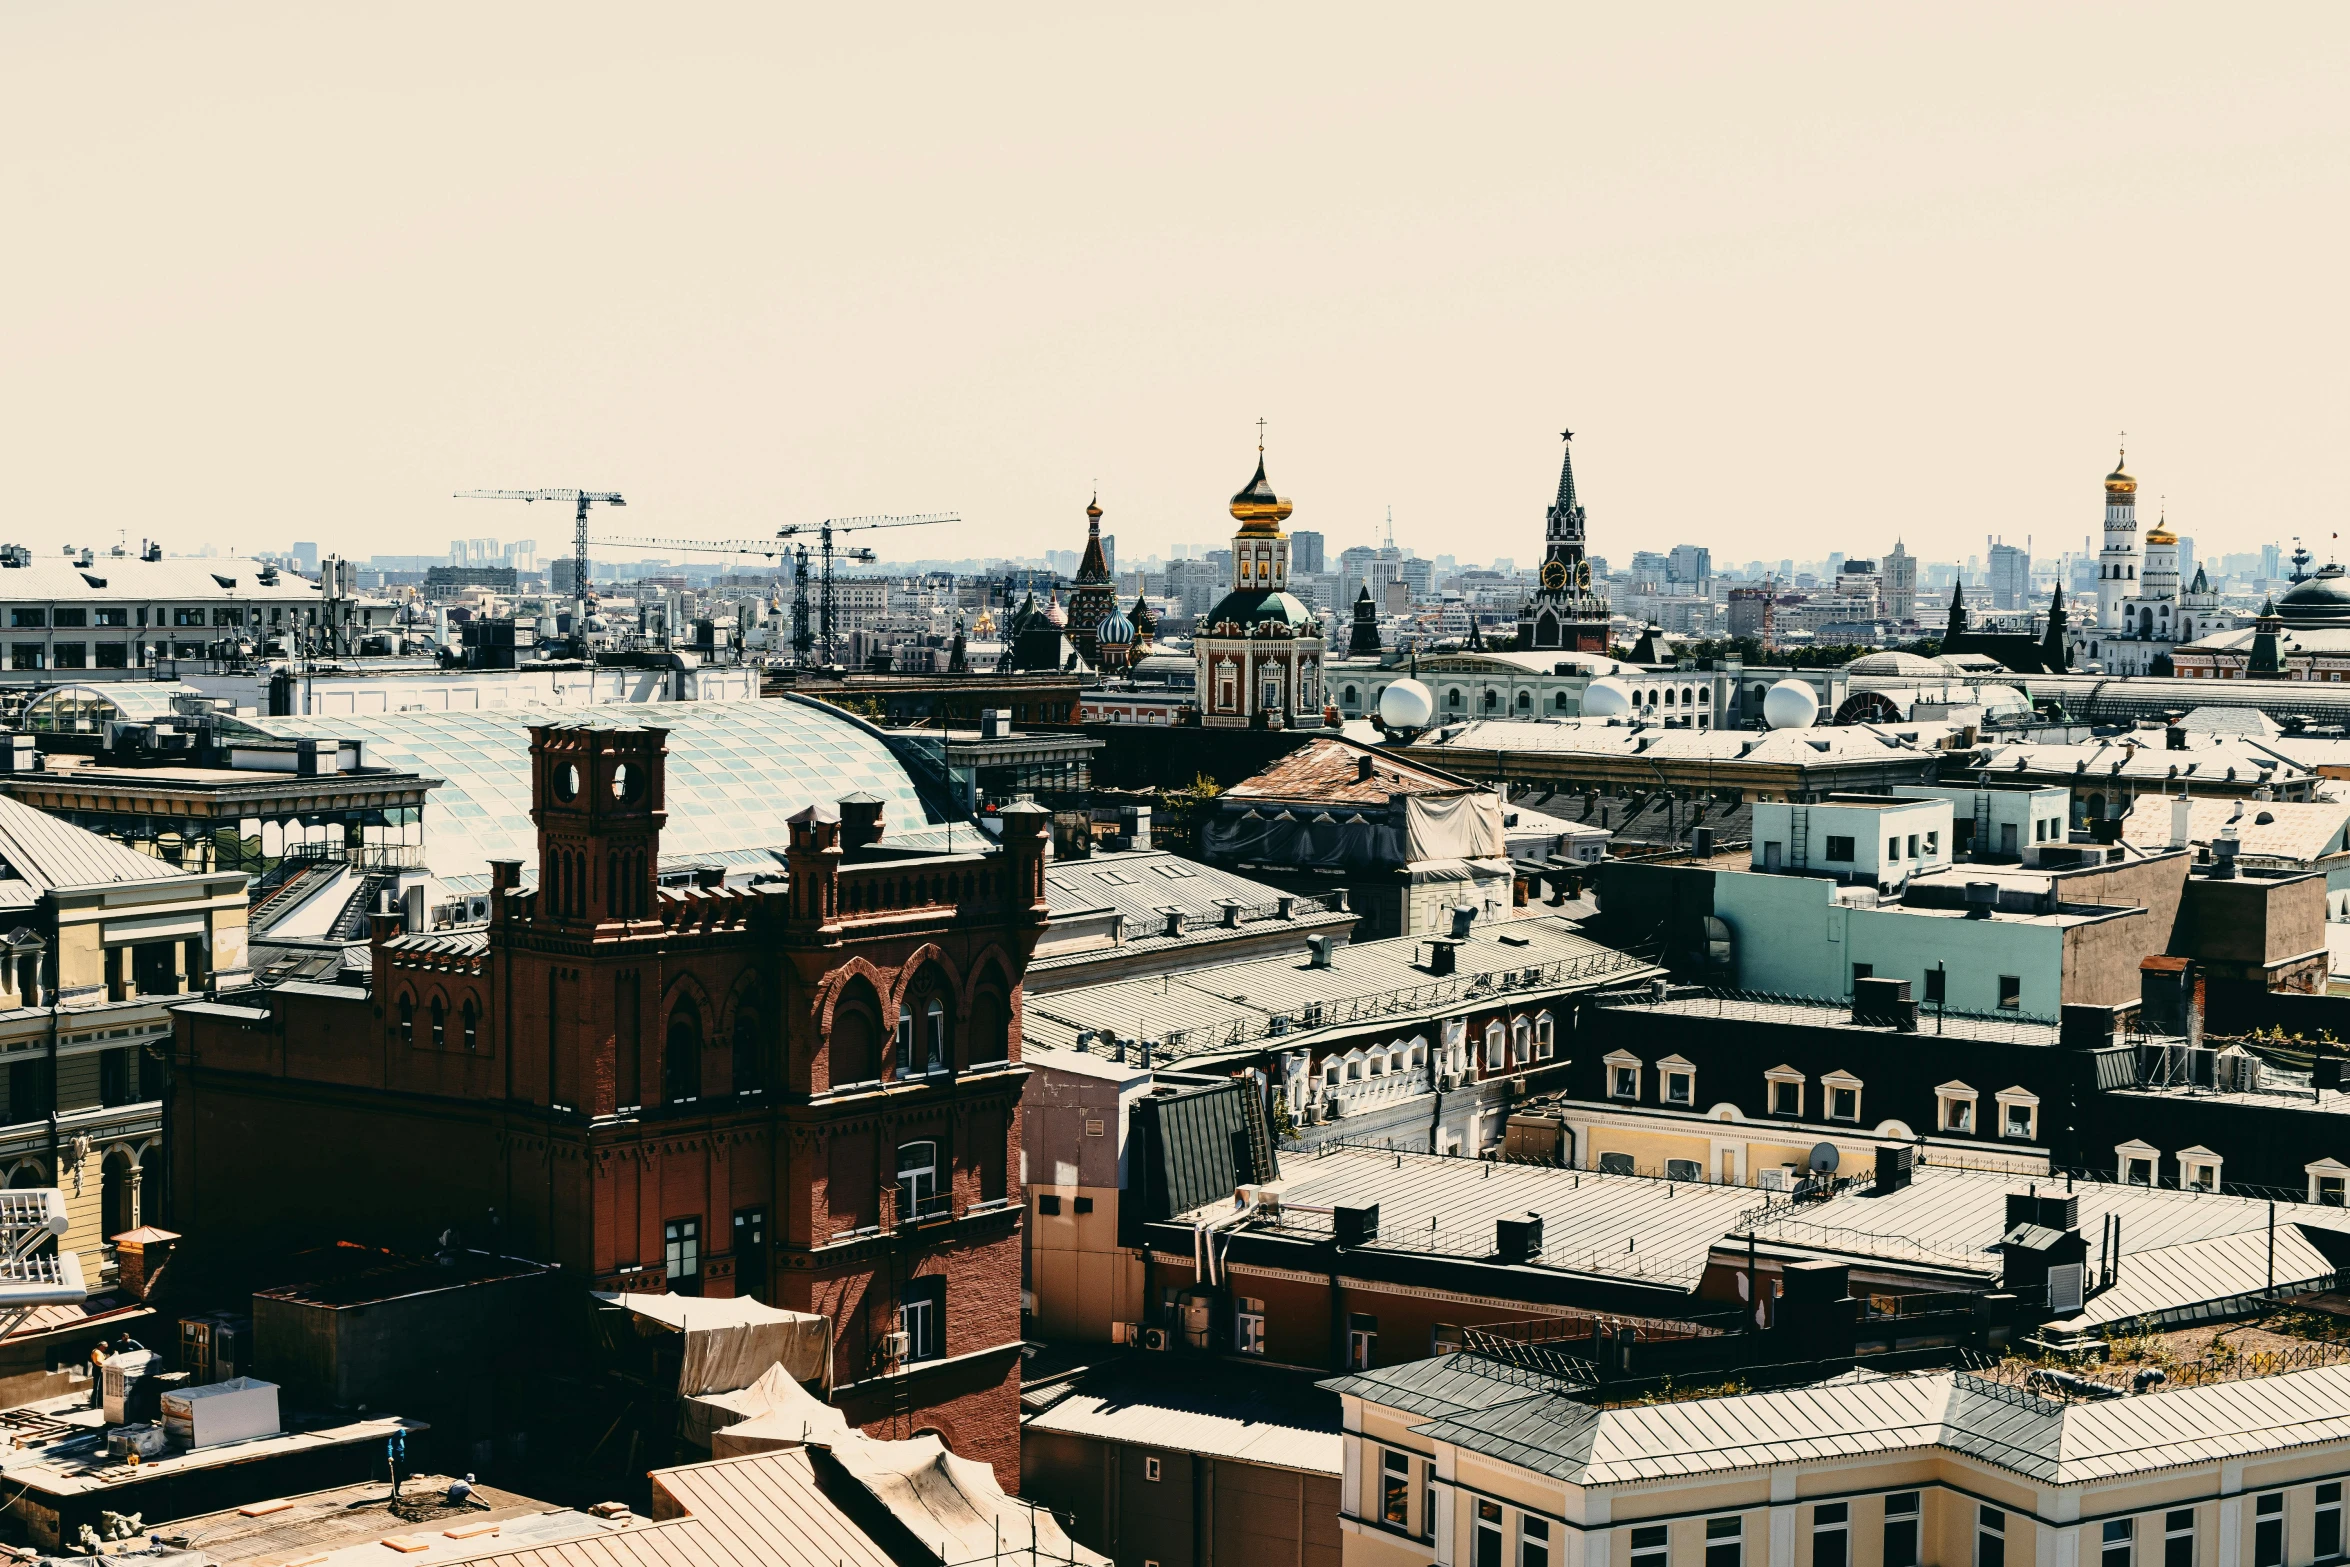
{"x":1365,"y":767}
{"x":1518,"y":1240}
{"x":1174,"y":922}
{"x":1982,"y":897}
{"x":1319,"y":948}
{"x":1464,"y":915}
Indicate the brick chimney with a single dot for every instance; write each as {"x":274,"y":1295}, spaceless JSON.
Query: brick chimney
{"x":139,"y":1256}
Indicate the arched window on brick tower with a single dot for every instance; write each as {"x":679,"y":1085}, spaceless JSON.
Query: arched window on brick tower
{"x":598,"y":800}
{"x":856,"y":1035}
{"x":681,"y":1055}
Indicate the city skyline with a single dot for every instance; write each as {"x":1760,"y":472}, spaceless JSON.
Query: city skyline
{"x":707,"y":267}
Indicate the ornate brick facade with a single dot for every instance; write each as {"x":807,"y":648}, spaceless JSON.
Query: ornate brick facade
{"x":807,"y":1094}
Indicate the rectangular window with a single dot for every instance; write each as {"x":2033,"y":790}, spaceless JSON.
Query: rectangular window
{"x":1362,"y":1341}
{"x":1152,"y":1470}
{"x":2268,"y":1530}
{"x":1723,"y":1537}
{"x":1830,"y":1534}
{"x":918,"y":1193}
{"x":2329,"y":1191}
{"x":1677,"y":1088}
{"x":2019,"y":1122}
{"x":187,"y":617}
{"x":28,"y":617}
{"x":1990,"y":1537}
{"x":186,"y":649}
{"x":228,"y":617}
{"x":922,"y":1317}
{"x":1861,"y":971}
{"x":1649,"y":1543}
{"x":114,"y":1075}
{"x":25,"y":655}
{"x":114,"y":655}
{"x":2115,"y":1552}
{"x":1786,"y":1098}
{"x":1844,"y":1104}
{"x":72,"y":655}
{"x":1488,"y":1543}
{"x":1913,"y":845}
{"x":1958,"y":1115}
{"x":1893,"y":848}
{"x":2178,"y":1537}
{"x":1840,"y":849}
{"x":2138,"y":1172}
{"x":1395,"y":1489}
{"x":1933,"y":844}
{"x":906,"y":1042}
{"x":2328,"y":1541}
{"x":1533,"y":1541}
{"x":1048,"y":1203}
{"x":1248,"y":1325}
{"x":1936,"y":985}
{"x":2011,"y":992}
{"x":1627,"y":1082}
{"x":116,"y":616}
{"x":750,"y":1232}
{"x":681,"y":1242}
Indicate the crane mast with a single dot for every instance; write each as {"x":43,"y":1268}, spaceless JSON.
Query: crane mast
{"x":581,"y":590}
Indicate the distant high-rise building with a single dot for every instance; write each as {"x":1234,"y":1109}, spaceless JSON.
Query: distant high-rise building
{"x":306,"y":559}
{"x":1689,"y":566}
{"x":1898,"y":573}
{"x":2272,"y":562}
{"x":2011,"y":575}
{"x":2186,"y":559}
{"x":1110,"y":552}
{"x":1305,"y":550}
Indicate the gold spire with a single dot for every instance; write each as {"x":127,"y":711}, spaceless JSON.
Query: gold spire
{"x":1256,"y":508}
{"x":2119,"y":481}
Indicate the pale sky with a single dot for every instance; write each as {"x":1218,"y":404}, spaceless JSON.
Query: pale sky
{"x":1800,"y":278}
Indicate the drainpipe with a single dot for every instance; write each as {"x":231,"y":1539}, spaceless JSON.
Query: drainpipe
{"x":56,"y":1140}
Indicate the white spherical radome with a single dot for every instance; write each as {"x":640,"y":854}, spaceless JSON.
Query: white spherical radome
{"x":1790,"y":705}
{"x":1607,"y":697}
{"x":1407,"y":704}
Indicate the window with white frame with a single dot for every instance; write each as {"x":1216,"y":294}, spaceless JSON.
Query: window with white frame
{"x":1842,"y":1091}
{"x":2136,"y":1163}
{"x":1521,"y":1041}
{"x":1497,"y":1047}
{"x":2268,"y":1530}
{"x":1990,"y":1537}
{"x":1248,"y":1325}
{"x":1785,"y":1086}
{"x":1545,"y":1040}
{"x":1533,"y":1541}
{"x":1487,"y":1543}
{"x":2199,"y":1169}
{"x":2117,"y":1541}
{"x":1623,"y":1075}
{"x":2178,"y":1537}
{"x":1831,"y":1534}
{"x":2019,"y":1115}
{"x":1901,"y":1529}
{"x":1725,"y":1541}
{"x":1954,"y":1109}
{"x":1650,"y":1546}
{"x":2327,"y":1541}
{"x":2326,"y":1178}
{"x":1395,"y":1488}
{"x":1678,"y":1080}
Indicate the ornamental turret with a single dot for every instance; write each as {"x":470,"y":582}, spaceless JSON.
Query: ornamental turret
{"x":2117,"y":562}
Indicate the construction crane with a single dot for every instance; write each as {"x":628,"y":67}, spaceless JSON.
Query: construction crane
{"x":579,"y":530}
{"x":810,"y":646}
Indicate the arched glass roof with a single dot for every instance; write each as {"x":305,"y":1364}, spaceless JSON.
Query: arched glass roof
{"x":80,"y":709}
{"x":736,"y":771}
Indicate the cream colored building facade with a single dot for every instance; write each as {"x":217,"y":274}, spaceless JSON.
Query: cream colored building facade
{"x":1942,"y":1469}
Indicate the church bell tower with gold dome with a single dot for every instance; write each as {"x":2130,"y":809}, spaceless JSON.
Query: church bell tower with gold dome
{"x":2117,"y":563}
{"x":1259,"y":651}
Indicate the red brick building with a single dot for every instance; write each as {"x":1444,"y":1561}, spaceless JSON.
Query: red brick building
{"x":805,"y":1093}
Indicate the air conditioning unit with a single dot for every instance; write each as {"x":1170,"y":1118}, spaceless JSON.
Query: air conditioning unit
{"x":1154,"y":1338}
{"x":896,"y":1346}
{"x":1128,"y":1332}
{"x":1449,"y":1081}
{"x":1772,"y":1180}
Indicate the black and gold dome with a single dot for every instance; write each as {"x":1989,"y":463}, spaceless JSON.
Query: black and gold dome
{"x":1256,"y":508}
{"x":2119,"y":483}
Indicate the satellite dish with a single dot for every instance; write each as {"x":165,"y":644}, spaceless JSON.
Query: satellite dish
{"x":1824,"y":1159}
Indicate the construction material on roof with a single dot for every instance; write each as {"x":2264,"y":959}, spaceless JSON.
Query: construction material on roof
{"x":774,"y":1411}
{"x":954,"y":1506}
{"x":730,"y":1343}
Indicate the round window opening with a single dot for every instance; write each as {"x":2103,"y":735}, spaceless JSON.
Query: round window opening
{"x":628,"y":781}
{"x":566,"y":782}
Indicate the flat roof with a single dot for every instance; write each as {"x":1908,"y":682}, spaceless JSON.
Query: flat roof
{"x":73,"y":1462}
{"x":1254,"y":1414}
{"x":316,"y":1523}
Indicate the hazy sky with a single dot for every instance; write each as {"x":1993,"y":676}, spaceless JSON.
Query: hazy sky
{"x":1800,"y":278}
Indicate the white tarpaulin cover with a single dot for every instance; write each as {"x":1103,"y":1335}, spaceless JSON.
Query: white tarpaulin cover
{"x":1452,"y":827}
{"x":954,"y":1506}
{"x":729,"y":1343}
{"x":773,"y":1412}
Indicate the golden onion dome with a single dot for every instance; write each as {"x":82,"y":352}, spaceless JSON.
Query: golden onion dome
{"x":1256,"y":508}
{"x":2161,"y":535}
{"x":2119,"y":481}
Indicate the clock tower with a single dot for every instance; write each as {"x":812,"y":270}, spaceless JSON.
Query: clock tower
{"x":1565,"y":612}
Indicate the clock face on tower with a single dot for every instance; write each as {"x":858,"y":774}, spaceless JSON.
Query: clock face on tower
{"x":1554,"y":574}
